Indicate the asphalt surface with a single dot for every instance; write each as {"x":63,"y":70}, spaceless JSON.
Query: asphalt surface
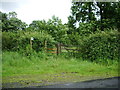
{"x":108,"y":83}
{"x":99,"y":83}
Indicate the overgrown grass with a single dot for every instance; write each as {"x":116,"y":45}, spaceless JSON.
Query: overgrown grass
{"x":16,"y":64}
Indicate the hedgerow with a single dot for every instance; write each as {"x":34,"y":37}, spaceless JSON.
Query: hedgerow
{"x":101,"y":45}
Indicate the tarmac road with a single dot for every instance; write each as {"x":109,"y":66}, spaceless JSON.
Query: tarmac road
{"x":99,"y":83}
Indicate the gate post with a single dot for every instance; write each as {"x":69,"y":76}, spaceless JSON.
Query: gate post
{"x":45,"y":45}
{"x":58,"y":48}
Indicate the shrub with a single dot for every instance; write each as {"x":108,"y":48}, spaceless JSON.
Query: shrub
{"x":9,"y":41}
{"x":101,"y":45}
{"x":21,"y":40}
{"x":85,"y":29}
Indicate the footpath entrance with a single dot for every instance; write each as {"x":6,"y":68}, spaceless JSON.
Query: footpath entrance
{"x":61,"y":48}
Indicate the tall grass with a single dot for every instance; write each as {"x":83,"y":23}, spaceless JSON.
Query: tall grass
{"x":14,"y":63}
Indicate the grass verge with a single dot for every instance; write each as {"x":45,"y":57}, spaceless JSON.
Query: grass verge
{"x":42,"y":69}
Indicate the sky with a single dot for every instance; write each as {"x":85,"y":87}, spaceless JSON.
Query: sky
{"x":29,"y":10}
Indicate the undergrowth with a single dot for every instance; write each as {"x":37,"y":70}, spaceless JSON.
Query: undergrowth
{"x":15,"y":63}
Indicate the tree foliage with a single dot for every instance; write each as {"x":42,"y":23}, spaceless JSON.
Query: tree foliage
{"x":10,"y":22}
{"x":97,"y":38}
{"x":86,"y":12}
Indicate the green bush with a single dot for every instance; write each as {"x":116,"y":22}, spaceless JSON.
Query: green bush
{"x":21,"y":40}
{"x":101,"y":45}
{"x":85,"y":29}
{"x":9,"y":41}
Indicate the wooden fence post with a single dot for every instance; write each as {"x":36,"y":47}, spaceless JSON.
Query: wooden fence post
{"x":31,"y":39}
{"x":31,"y":44}
{"x":45,"y":45}
{"x":58,"y":48}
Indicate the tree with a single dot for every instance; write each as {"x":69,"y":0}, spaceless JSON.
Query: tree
{"x":105,"y":18}
{"x":12,"y":15}
{"x":117,"y":15}
{"x":53,"y":26}
{"x":3,"y":19}
{"x":84,"y":12}
{"x":10,"y":22}
{"x":38,"y":25}
{"x":81,"y":12}
{"x":56,"y":28}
